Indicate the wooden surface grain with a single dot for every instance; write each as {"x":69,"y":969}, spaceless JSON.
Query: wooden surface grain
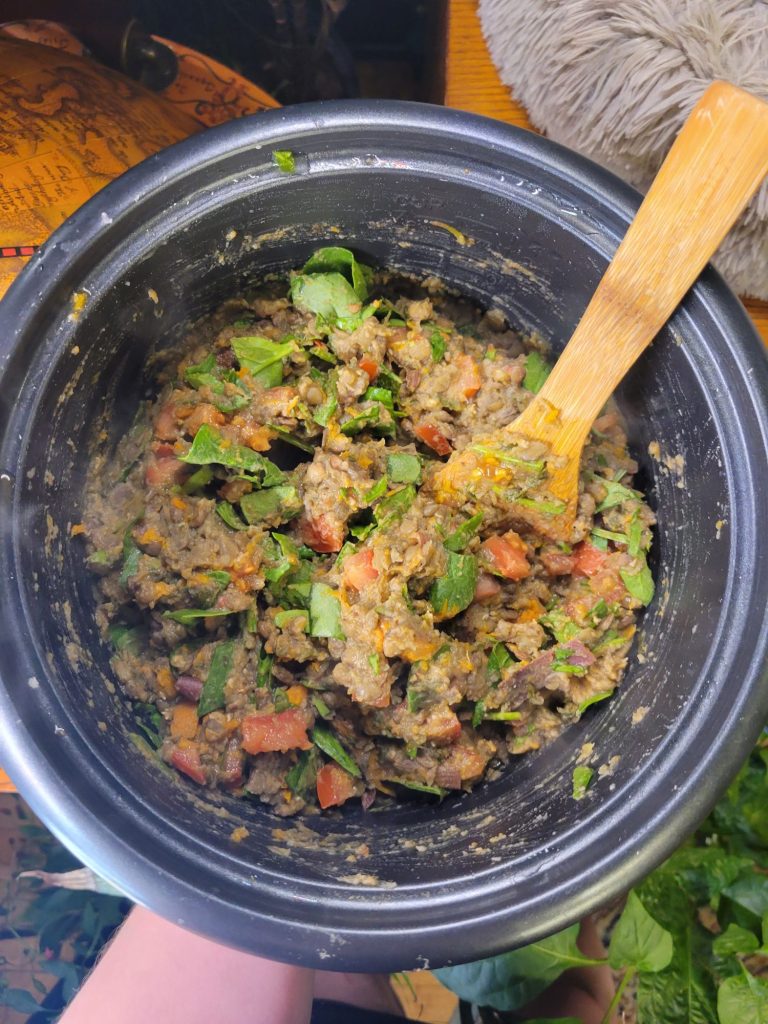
{"x":472,"y":83}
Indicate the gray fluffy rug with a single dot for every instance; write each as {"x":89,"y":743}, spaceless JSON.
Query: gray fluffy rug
{"x":615,"y":79}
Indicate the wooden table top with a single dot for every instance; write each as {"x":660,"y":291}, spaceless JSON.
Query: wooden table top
{"x":472,"y":83}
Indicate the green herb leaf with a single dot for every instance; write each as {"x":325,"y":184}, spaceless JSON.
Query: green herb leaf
{"x":330,"y":296}
{"x":229,"y":515}
{"x":323,"y":738}
{"x":615,"y":494}
{"x":463,"y":534}
{"x":198,"y":480}
{"x":635,"y":537}
{"x":324,"y":612}
{"x":367,"y":418}
{"x":594,"y":699}
{"x":373,"y":661}
{"x":394,"y":506}
{"x":131,"y":556}
{"x":334,"y":258}
{"x":127,"y":639}
{"x":743,"y":999}
{"x":264,"y":669}
{"x":321,"y":707}
{"x":212,"y":697}
{"x":638,"y":941}
{"x":188,"y":616}
{"x":282,"y":502}
{"x":209,"y":447}
{"x":438,"y":344}
{"x":284,"y":160}
{"x":414,"y":700}
{"x":323,"y":413}
{"x":537,"y":369}
{"x":219,"y":576}
{"x":289,"y":438}
{"x":617,"y":538}
{"x":502,"y":716}
{"x":478,"y":713}
{"x":582,"y":776}
{"x":286,"y":617}
{"x":378,"y":490}
{"x":454,"y":591}
{"x":301,"y":778}
{"x":506,"y":458}
{"x":420,"y":787}
{"x":639,"y":584}
{"x":560,"y":626}
{"x":509,"y":981}
{"x":361,"y":530}
{"x":498,"y":660}
{"x":735,"y":939}
{"x":263,"y":358}
{"x":545,"y":508}
{"x":404,"y":468}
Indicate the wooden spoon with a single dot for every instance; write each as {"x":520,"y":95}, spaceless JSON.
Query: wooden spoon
{"x":710,"y":173}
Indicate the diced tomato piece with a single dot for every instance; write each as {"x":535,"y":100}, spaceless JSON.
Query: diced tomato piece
{"x":588,"y":560}
{"x":431,"y":436}
{"x":359,"y":570}
{"x":506,"y":556}
{"x":558,"y":563}
{"x":487,"y":587}
{"x":334,"y":786}
{"x":187,"y":759}
{"x":469,"y":375}
{"x":165,"y":424}
{"x":370,"y":366}
{"x":283,"y":731}
{"x":165,"y":471}
{"x":321,"y":533}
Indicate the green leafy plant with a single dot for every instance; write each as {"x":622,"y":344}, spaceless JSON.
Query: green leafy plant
{"x":693,"y":935}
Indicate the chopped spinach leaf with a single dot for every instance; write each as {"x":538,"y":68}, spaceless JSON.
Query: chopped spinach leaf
{"x":478,"y":714}
{"x":289,"y":438}
{"x":502,"y":716}
{"x":188,"y":616}
{"x":394,"y":506}
{"x":420,"y":787}
{"x":404,"y":468}
{"x":334,"y":258}
{"x":594,"y":699}
{"x":198,"y":480}
{"x":639,"y":584}
{"x":210,"y":447}
{"x":367,"y":418}
{"x":264,"y":669}
{"x":285,"y":618}
{"x":127,"y":639}
{"x":546,"y":508}
{"x":284,"y":160}
{"x":378,"y":490}
{"x":131,"y":556}
{"x":438,"y":344}
{"x":321,"y":707}
{"x":301,"y":778}
{"x":229,"y":515}
{"x":219,"y":671}
{"x":582,"y":776}
{"x":324,"y":612}
{"x":262,"y":357}
{"x":454,"y":591}
{"x":537,"y":369}
{"x":560,"y":626}
{"x":498,"y":660}
{"x":259,"y":505}
{"x":463,"y":534}
{"x":323,"y":738}
{"x":615,"y":493}
{"x":505,"y":456}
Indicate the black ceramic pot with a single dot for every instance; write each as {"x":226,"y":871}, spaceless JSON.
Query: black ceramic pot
{"x":519,"y":857}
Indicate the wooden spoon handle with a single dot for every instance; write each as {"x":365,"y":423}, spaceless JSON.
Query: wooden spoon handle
{"x":710,"y":173}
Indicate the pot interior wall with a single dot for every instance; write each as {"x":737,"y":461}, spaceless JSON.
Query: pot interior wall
{"x":523,"y":253}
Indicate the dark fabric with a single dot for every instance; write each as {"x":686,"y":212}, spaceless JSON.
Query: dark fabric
{"x":326,"y":1011}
